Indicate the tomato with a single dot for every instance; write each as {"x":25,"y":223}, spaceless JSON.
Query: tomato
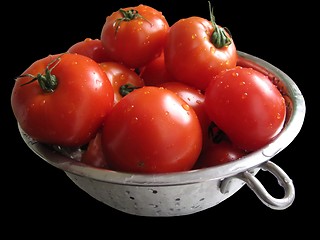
{"x":194,"y":98}
{"x":197,"y":49}
{"x":217,"y":149}
{"x":134,"y":36}
{"x":155,"y":72}
{"x":123,"y":79}
{"x":93,"y":154}
{"x":151,"y":130}
{"x":62,"y":99}
{"x":91,"y":48}
{"x":246,"y":106}
{"x":217,"y":153}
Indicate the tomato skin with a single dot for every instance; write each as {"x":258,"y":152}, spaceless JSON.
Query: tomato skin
{"x":72,"y":113}
{"x":219,"y":153}
{"x":194,"y":98}
{"x":156,"y":73}
{"x":246,"y":106}
{"x":191,"y":57}
{"x":94,"y":155}
{"x":135,"y":42}
{"x":91,"y":48}
{"x":151,"y":130}
{"x":119,"y":75}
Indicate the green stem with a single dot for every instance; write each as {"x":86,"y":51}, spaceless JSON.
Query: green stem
{"x":128,"y":16}
{"x":47,"y":81}
{"x":126,"y":89}
{"x":219,"y":37}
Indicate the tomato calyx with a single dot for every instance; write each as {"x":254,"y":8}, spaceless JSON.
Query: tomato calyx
{"x":47,"y":81}
{"x":128,"y":16}
{"x":219,"y":37}
{"x":126,"y":89}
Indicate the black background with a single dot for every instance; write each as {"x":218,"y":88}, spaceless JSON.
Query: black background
{"x":42,"y":197}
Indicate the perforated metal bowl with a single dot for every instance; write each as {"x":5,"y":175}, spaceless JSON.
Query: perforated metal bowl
{"x":184,"y":193}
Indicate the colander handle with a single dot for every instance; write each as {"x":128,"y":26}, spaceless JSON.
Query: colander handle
{"x":257,"y":187}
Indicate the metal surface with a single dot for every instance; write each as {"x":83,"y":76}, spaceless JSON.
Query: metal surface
{"x":188,"y":192}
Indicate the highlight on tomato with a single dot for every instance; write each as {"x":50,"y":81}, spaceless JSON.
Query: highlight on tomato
{"x":62,"y":99}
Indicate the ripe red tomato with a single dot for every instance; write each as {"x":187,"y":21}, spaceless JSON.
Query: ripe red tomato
{"x":151,"y":130}
{"x":123,"y":79}
{"x":91,"y":48}
{"x":194,"y":98}
{"x":62,"y":99}
{"x":246,"y":106}
{"x":217,"y":153}
{"x":93,"y":154}
{"x":134,"y":36}
{"x":155,"y":72}
{"x":192,"y":57}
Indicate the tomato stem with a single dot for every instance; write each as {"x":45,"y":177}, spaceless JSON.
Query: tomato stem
{"x":219,"y":37}
{"x":47,"y":81}
{"x":128,"y":16}
{"x":126,"y":89}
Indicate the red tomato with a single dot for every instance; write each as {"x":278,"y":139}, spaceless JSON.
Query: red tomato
{"x":194,"y":98}
{"x":246,"y":106}
{"x":152,"y":130}
{"x":62,"y":99}
{"x":134,"y":36}
{"x":94,"y":155}
{"x":155,"y":72}
{"x":192,"y":54}
{"x":91,"y":48}
{"x":218,"y":153}
{"x":123,"y":79}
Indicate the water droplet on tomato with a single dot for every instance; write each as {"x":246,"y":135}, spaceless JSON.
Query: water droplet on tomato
{"x":279,"y":116}
{"x":244,"y":95}
{"x":98,"y":83}
{"x":129,"y":108}
{"x":122,"y":77}
{"x":186,"y":107}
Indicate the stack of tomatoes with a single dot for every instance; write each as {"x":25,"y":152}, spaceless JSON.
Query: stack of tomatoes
{"x":147,"y":97}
